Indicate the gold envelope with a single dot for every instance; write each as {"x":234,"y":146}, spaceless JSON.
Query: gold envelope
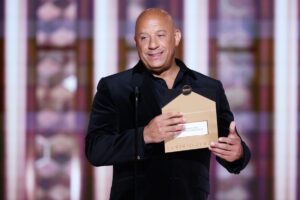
{"x":200,"y":113}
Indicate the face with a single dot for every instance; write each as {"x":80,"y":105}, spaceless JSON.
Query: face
{"x":156,"y":40}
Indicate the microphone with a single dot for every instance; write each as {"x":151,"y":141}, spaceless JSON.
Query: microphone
{"x":136,"y":94}
{"x":136,"y":105}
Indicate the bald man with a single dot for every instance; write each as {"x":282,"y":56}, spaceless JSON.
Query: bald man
{"x":128,"y":130}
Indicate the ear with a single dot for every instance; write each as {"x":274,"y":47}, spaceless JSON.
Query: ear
{"x":135,"y":40}
{"x":177,"y":37}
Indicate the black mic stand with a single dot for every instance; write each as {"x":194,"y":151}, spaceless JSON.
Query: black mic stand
{"x":136,"y":155}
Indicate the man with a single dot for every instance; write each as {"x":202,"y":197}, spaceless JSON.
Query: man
{"x":127,"y":129}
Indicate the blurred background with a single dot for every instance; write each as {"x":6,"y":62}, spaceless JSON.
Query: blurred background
{"x":53,"y":53}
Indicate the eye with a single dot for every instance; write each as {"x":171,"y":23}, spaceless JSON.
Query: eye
{"x":143,"y":38}
{"x":161,"y":35}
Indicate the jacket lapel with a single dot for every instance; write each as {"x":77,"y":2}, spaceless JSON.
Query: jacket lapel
{"x":148,"y":106}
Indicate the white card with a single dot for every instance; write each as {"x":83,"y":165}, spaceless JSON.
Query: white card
{"x":194,"y":129}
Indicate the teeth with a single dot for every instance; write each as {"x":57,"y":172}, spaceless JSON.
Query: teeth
{"x":155,"y":54}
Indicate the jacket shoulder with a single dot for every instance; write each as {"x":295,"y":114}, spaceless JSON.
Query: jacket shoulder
{"x":120,"y":76}
{"x":118,"y":79}
{"x":206,"y":81}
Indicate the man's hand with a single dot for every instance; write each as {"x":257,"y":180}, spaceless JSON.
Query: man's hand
{"x":228,"y":148}
{"x":164,"y":126}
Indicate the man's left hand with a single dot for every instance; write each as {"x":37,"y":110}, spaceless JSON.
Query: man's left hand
{"x":228,"y":148}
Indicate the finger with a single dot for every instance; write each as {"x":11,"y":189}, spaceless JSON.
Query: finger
{"x":229,"y":140}
{"x":161,"y":123}
{"x":233,"y":134}
{"x":174,"y":121}
{"x":170,"y":128}
{"x":232,"y":126}
{"x":219,"y":152}
{"x":171,"y":132}
{"x":171,"y":135}
{"x":222,"y":146}
{"x":171,"y":115}
{"x":173,"y":128}
{"x":228,"y":157}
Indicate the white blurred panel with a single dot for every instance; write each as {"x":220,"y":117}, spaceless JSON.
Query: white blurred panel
{"x":195,"y":35}
{"x":105,"y":63}
{"x":15,"y":96}
{"x":105,"y":39}
{"x":286,"y":80}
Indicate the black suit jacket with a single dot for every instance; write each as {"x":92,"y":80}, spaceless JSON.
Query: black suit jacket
{"x":111,"y":139}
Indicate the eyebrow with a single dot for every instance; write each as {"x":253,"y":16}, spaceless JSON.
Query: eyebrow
{"x":161,"y":31}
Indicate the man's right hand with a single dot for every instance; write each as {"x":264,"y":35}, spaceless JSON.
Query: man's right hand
{"x":164,"y":126}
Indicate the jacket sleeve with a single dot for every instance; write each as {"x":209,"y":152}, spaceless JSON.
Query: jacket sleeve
{"x":225,"y":116}
{"x":105,"y":144}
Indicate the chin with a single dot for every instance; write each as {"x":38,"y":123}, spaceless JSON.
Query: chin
{"x":157,"y":70}
{"x":156,"y":65}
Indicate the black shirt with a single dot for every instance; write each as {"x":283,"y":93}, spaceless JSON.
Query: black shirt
{"x":161,"y":90}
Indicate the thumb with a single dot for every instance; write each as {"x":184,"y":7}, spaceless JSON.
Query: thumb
{"x":232,"y":128}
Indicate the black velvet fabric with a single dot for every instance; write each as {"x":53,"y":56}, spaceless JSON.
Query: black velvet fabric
{"x":110,"y":138}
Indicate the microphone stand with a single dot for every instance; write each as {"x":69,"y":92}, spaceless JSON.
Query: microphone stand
{"x":136,"y":156}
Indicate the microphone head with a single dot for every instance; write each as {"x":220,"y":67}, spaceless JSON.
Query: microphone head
{"x":136,"y":90}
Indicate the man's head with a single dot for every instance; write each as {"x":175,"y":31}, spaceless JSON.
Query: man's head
{"x":156,"y":39}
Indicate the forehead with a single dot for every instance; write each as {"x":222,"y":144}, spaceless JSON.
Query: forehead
{"x":153,"y":22}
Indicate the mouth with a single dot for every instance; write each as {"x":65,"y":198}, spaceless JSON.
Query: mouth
{"x":155,"y":55}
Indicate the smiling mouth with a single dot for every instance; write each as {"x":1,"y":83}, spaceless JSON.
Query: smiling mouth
{"x":155,"y":55}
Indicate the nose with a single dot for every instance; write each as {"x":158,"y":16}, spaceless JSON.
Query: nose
{"x":153,"y":43}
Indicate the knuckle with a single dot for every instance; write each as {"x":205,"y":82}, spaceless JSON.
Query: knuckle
{"x":173,"y":121}
{"x":159,"y":129}
{"x":169,"y":114}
